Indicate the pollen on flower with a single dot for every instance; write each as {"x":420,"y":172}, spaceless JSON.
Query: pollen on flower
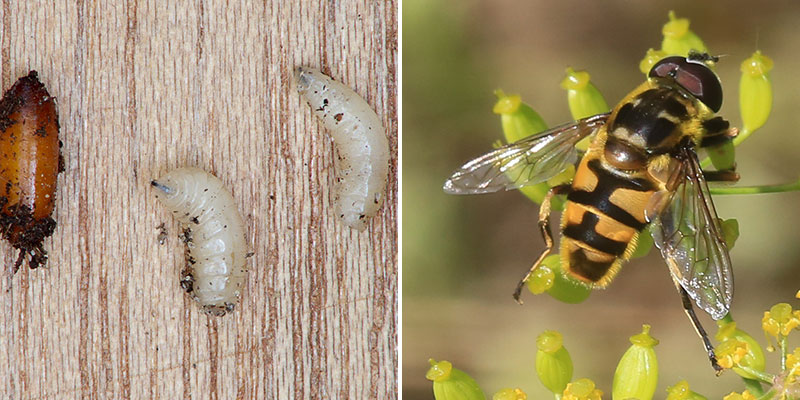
{"x":746,"y":395}
{"x":510,"y":394}
{"x":793,"y":363}
{"x":731,"y":352}
{"x":679,"y":391}
{"x":780,"y":320}
{"x":582,"y":389}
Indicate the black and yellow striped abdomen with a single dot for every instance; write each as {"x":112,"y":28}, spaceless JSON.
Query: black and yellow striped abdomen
{"x":602,"y":220}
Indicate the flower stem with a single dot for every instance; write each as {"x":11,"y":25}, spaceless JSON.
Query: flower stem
{"x":769,"y":395}
{"x":760,"y":375}
{"x":784,"y":352}
{"x":786,"y":187}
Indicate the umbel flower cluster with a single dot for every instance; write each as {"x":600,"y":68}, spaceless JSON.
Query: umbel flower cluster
{"x":636,"y":375}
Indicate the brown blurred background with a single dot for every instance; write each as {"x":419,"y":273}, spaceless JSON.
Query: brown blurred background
{"x":462,"y":255}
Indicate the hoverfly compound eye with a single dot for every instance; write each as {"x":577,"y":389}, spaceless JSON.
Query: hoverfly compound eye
{"x":694,"y":76}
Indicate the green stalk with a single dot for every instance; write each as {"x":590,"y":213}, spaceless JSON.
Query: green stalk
{"x":786,"y":187}
{"x":769,"y":395}
{"x":760,"y":375}
{"x":784,"y":352}
{"x":743,"y":134}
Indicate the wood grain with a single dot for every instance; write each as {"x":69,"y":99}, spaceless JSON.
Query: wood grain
{"x":144,"y":86}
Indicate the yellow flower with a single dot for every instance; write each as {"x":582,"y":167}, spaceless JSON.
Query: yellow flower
{"x":510,"y":394}
{"x":731,"y":352}
{"x":780,"y":320}
{"x":754,"y":359}
{"x":582,"y":389}
{"x":793,"y":364}
{"x":681,"y":391}
{"x":736,"y":396}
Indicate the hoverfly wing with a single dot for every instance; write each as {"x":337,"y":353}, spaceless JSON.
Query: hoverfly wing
{"x":689,"y":236}
{"x":529,"y":161}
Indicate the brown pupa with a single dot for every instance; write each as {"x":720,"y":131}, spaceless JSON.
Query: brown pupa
{"x":30,"y":160}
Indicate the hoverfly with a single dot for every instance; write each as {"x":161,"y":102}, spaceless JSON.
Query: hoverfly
{"x":640,"y":170}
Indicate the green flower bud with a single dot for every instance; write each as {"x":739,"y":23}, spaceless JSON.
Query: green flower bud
{"x":637,"y":372}
{"x":550,"y":278}
{"x":753,"y":358}
{"x":644,"y":244}
{"x":679,"y":39}
{"x":519,"y":121}
{"x":510,"y":394}
{"x":542,"y":279}
{"x":583,"y":97}
{"x":730,"y":231}
{"x":681,"y":391}
{"x":755,"y":92}
{"x":723,"y":156}
{"x":452,"y":384}
{"x":553,"y":363}
{"x":650,"y":59}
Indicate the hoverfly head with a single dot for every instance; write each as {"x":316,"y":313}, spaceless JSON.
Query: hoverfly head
{"x":694,"y":75}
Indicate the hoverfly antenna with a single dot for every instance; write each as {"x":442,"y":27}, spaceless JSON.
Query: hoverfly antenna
{"x":702,"y":57}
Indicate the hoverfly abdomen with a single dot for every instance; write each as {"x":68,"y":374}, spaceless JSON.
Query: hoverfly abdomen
{"x":603,"y":217}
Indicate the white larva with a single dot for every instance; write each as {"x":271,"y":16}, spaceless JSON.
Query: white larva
{"x":362,"y":161}
{"x":216,"y":251}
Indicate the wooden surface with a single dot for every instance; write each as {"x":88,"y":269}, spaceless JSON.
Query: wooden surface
{"x":144,"y":86}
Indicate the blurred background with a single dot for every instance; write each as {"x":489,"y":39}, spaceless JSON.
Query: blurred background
{"x":462,"y":255}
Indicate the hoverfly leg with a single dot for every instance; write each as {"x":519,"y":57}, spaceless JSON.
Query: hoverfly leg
{"x":687,"y":307}
{"x":726,"y":175}
{"x":547,"y":234}
{"x":717,"y":132}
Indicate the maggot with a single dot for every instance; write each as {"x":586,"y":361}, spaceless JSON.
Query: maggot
{"x":30,"y":160}
{"x":362,"y":161}
{"x":214,"y":235}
